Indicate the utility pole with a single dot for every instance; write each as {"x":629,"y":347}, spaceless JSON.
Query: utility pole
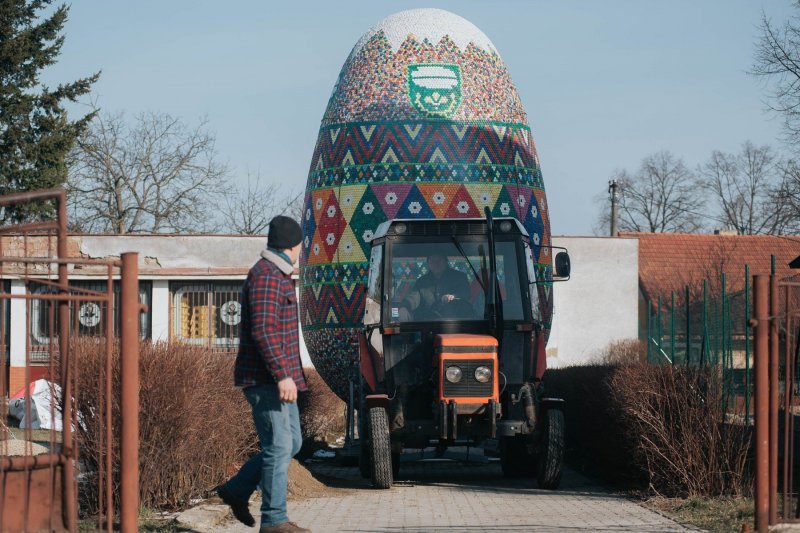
{"x":612,"y":190}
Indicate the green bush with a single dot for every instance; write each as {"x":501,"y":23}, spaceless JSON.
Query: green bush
{"x":598,"y":441}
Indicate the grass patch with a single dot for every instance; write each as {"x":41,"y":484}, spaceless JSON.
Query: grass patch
{"x":711,"y":514}
{"x":148,"y":520}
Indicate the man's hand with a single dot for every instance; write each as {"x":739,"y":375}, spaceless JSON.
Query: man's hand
{"x":447,"y":298}
{"x":287,"y":390}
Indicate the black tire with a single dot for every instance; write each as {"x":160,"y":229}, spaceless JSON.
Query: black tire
{"x":380,"y":451}
{"x":551,"y":460}
{"x":515,"y":459}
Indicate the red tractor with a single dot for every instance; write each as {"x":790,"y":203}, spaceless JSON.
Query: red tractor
{"x":452,"y":350}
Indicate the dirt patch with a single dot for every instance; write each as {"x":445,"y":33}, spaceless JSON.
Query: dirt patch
{"x":21,"y":447}
{"x":303,"y":484}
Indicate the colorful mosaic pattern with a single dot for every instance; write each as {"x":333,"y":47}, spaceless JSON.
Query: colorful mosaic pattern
{"x":424,"y":122}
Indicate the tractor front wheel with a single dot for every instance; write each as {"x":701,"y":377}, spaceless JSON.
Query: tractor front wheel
{"x":380,"y":451}
{"x":551,"y":455}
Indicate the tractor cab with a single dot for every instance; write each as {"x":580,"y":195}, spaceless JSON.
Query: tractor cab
{"x":452,"y":349}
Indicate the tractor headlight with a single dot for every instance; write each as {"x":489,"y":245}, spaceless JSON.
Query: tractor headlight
{"x":453,"y":374}
{"x":483,"y":374}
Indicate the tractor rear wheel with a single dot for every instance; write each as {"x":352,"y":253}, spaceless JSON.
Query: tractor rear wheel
{"x":380,"y":451}
{"x":551,"y":457}
{"x":515,"y":459}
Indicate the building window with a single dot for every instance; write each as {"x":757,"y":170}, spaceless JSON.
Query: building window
{"x":87,"y":318}
{"x":207,"y":313}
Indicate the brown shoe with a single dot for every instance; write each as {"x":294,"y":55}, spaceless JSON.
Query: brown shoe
{"x":286,"y":527}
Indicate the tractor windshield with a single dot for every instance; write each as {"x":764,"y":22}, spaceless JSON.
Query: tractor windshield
{"x":434,"y":281}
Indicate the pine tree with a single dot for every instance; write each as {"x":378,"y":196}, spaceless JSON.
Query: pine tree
{"x":35,"y":132}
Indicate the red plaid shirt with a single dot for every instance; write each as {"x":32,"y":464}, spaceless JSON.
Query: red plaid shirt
{"x":269,"y":342}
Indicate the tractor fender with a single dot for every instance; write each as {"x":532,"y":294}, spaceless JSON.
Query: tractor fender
{"x":377,"y":400}
{"x":551,"y":403}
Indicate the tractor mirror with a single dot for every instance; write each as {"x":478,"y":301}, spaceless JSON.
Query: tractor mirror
{"x":562,"y":266}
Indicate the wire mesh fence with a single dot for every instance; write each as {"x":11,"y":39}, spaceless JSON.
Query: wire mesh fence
{"x":708,"y":324}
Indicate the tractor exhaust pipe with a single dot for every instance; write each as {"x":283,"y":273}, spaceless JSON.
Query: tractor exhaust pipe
{"x":526,"y":393}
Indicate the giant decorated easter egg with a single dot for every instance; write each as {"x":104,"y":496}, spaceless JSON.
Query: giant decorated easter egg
{"x":423,"y":122}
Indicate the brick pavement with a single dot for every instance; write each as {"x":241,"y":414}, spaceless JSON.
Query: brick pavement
{"x":446,"y":496}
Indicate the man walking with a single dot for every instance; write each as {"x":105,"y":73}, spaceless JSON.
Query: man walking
{"x":269,"y":370}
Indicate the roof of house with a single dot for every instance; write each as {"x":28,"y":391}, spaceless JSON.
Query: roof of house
{"x":672,"y":261}
{"x":159,"y":255}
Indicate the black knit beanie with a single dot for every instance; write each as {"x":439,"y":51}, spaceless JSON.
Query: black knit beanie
{"x":284,"y":233}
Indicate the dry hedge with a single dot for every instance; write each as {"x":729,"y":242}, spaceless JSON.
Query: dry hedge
{"x":598,"y":442}
{"x":194,"y":426}
{"x":322,"y":413}
{"x":661,"y":426}
{"x":681,"y":435}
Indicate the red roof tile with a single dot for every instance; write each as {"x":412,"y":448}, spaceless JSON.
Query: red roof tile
{"x":671,"y":261}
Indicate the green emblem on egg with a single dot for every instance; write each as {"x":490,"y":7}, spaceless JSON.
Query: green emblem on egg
{"x":435,"y":88}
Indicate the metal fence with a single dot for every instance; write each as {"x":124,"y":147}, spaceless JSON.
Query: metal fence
{"x":708,"y":324}
{"x":776,"y":321}
{"x":40,"y":468}
{"x":749,"y":329}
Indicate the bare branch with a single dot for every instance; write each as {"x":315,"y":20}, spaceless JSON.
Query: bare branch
{"x":777,"y":61}
{"x":248,"y":210}
{"x":154,"y":175}
{"x":662,"y":196}
{"x":745,"y":188}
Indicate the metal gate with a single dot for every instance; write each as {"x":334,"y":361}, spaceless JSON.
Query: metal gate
{"x":44,"y":471}
{"x":777,"y":399}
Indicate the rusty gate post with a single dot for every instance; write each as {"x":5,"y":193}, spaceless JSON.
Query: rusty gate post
{"x":773,"y":399}
{"x":761,"y":400}
{"x":129,"y":369}
{"x":70,"y":510}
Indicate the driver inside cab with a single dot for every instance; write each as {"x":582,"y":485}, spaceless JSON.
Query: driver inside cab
{"x":442,"y":292}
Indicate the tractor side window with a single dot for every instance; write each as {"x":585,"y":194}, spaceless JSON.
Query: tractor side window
{"x":509,"y":281}
{"x":534,"y":286}
{"x":372,"y":310}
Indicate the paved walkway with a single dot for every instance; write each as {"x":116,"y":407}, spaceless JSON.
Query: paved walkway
{"x":446,"y":496}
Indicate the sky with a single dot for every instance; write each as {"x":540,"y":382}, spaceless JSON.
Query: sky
{"x":605,"y":83}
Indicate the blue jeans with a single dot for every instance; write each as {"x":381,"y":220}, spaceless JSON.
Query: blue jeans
{"x":278,"y":427}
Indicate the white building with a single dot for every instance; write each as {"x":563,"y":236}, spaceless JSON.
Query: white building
{"x":191,"y":285}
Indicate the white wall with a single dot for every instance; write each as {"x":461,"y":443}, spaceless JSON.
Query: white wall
{"x":159,"y":310}
{"x":599,"y":304}
{"x":18,"y":332}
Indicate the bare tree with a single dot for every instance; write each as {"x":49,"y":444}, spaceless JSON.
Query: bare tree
{"x":249,"y":209}
{"x":777,"y":60}
{"x":662,"y":196}
{"x":789,"y":195}
{"x":154,"y":175}
{"x":745,"y":187}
